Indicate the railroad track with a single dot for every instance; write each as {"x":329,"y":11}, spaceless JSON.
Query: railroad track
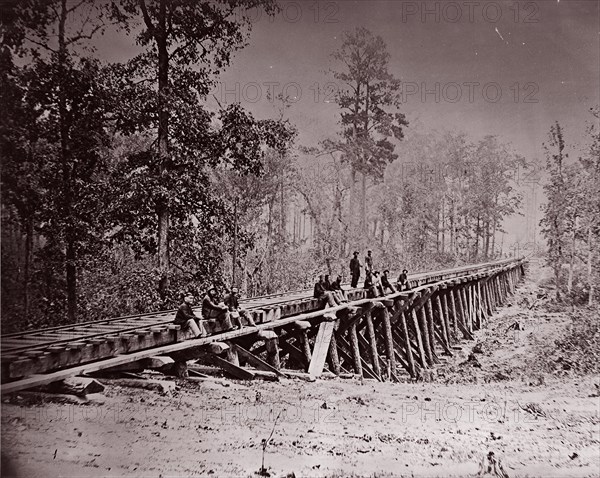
{"x":40,"y":351}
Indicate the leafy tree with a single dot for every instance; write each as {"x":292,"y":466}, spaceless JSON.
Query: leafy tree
{"x":554,"y":222}
{"x":186,"y":44}
{"x":369,"y":101}
{"x":55,"y":150}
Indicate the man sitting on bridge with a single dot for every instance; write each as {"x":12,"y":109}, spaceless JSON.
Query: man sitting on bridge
{"x":377,"y":283}
{"x":187,"y":319}
{"x":370,"y":286}
{"x":212,"y":309}
{"x":403,"y":283}
{"x":386,"y":284}
{"x":324,"y":295}
{"x":336,"y":288}
{"x":232,"y":302}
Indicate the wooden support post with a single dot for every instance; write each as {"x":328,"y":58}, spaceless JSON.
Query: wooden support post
{"x":273,"y":353}
{"x":303,"y":326}
{"x":468,"y":295}
{"x":422,"y":358}
{"x":407,"y":346}
{"x":232,"y":355}
{"x":486,"y":297}
{"x":495,"y":292}
{"x":474,"y":308}
{"x":473,"y":303}
{"x":256,"y":362}
{"x":372,"y":343}
{"x":389,"y":340}
{"x":425,"y":335}
{"x":465,"y":308}
{"x":233,"y":369}
{"x":353,"y":334}
{"x":492,"y":298}
{"x":450,"y":320}
{"x":271,"y":344}
{"x":480,"y":301}
{"x":322,"y":342}
{"x":443,"y":323}
{"x":430,"y":328}
{"x":305,"y":345}
{"x":334,"y":359}
{"x":461,"y":316}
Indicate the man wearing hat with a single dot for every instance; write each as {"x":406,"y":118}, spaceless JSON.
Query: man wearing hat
{"x":403,"y":283}
{"x":385,"y":282}
{"x":212,"y":309}
{"x":232,"y":302}
{"x":355,"y":270}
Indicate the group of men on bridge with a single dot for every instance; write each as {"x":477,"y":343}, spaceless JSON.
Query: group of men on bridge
{"x":372,"y":278}
{"x":332,"y":293}
{"x":227,"y":312}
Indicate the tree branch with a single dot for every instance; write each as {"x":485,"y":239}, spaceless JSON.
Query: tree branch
{"x":147,"y":19}
{"x":43,"y":45}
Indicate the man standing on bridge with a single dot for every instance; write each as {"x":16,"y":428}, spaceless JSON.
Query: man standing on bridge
{"x":187,"y":319}
{"x":355,"y":270}
{"x":368,"y":262}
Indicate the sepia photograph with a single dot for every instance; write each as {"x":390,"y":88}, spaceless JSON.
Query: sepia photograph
{"x":300,"y":238}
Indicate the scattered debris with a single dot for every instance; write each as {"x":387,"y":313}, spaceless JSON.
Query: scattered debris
{"x":491,"y":466}
{"x":534,"y":409}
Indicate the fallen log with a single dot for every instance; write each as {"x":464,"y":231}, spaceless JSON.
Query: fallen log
{"x":79,"y":386}
{"x":162,"y":386}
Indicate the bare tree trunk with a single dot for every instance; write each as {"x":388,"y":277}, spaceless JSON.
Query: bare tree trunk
{"x":443,"y":224}
{"x":452,"y":227}
{"x":437,"y":232}
{"x":70,"y":256}
{"x":571,"y":263}
{"x":27,"y":265}
{"x":487,"y":239}
{"x":589,"y":265}
{"x":163,"y":147}
{"x":477,"y":234}
{"x":363,"y":204}
{"x":494,"y":238}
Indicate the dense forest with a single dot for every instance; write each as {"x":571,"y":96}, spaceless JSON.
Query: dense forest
{"x":122,"y":188}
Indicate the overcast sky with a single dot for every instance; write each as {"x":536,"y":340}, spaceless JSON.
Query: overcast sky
{"x":485,"y":67}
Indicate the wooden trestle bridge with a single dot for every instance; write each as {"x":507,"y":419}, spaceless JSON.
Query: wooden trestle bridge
{"x":392,"y":338}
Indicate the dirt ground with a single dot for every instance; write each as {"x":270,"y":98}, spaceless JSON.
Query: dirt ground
{"x":503,"y":399}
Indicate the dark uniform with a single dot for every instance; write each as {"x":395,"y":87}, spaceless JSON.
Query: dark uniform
{"x":184,"y":315}
{"x":403,"y":282}
{"x":354,"y":271}
{"x":385,"y":283}
{"x":210,"y":310}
